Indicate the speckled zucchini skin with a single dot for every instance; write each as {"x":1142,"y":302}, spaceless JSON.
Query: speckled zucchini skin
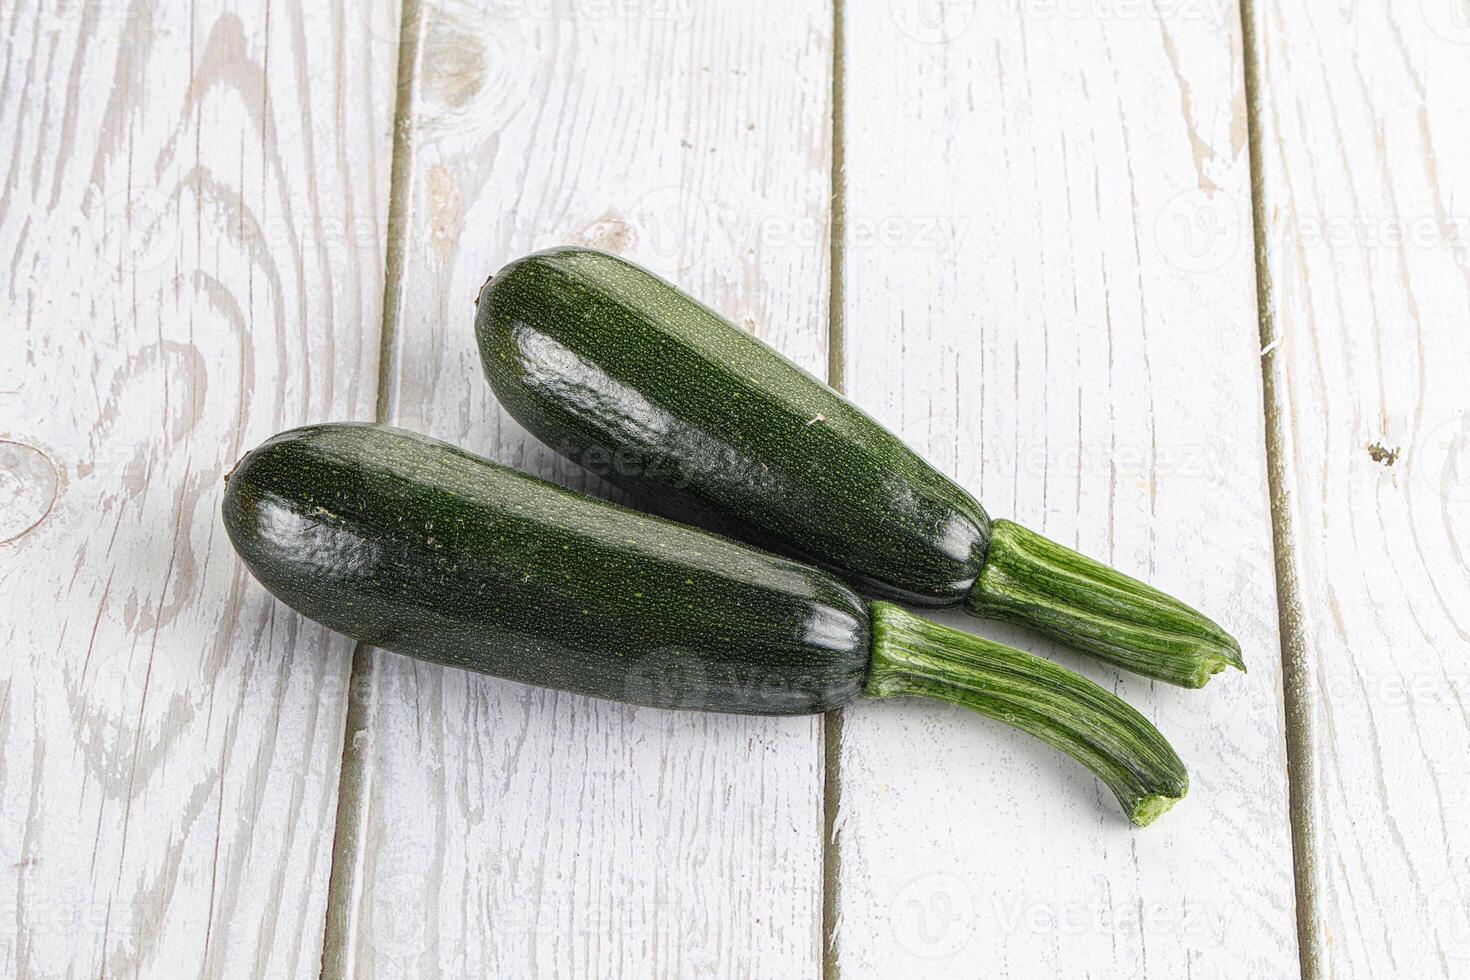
{"x":414,"y":546}
{"x":695,"y":419}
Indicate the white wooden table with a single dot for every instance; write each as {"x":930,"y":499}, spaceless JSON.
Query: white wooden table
{"x":1184,"y":284}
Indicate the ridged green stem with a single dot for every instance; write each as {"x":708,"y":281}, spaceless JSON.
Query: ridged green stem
{"x":914,"y":657}
{"x":1032,"y":581}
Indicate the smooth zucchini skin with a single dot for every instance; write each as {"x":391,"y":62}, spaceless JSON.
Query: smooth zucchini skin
{"x":694,"y":418}
{"x":418,"y":547}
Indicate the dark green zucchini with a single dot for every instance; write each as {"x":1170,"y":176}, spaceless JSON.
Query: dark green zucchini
{"x":698,"y":421}
{"x":415,"y":546}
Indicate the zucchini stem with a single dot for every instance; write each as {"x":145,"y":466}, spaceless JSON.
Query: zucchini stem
{"x":1033,"y":581}
{"x":915,"y":657}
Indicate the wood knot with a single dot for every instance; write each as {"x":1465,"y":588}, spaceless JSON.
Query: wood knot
{"x":1382,"y":454}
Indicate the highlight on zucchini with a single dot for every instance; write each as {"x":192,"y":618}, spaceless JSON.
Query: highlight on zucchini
{"x":418,"y":547}
{"x":699,"y":421}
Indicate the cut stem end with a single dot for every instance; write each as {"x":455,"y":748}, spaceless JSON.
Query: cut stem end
{"x":1150,"y":808}
{"x":1032,"y":581}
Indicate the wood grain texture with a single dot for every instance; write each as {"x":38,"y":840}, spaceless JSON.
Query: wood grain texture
{"x":492,"y":829}
{"x":192,"y":210}
{"x":1362,"y":128}
{"x":1048,"y":289}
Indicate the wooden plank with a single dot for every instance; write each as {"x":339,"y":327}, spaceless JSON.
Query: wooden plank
{"x":1048,"y":289}
{"x":192,"y":209}
{"x":1361,"y":124}
{"x":533,"y":833}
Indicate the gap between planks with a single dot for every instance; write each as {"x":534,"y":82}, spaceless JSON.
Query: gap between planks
{"x":351,"y":824}
{"x":1296,"y":700}
{"x":836,"y":377}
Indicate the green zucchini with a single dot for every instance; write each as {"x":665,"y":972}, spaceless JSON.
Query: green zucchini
{"x":412,"y":545}
{"x":698,"y":421}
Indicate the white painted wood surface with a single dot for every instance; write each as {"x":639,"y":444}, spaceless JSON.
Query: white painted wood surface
{"x":498,"y":830}
{"x":1047,"y":285}
{"x":192,"y":211}
{"x":1048,"y":288}
{"x":1364,"y":130}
